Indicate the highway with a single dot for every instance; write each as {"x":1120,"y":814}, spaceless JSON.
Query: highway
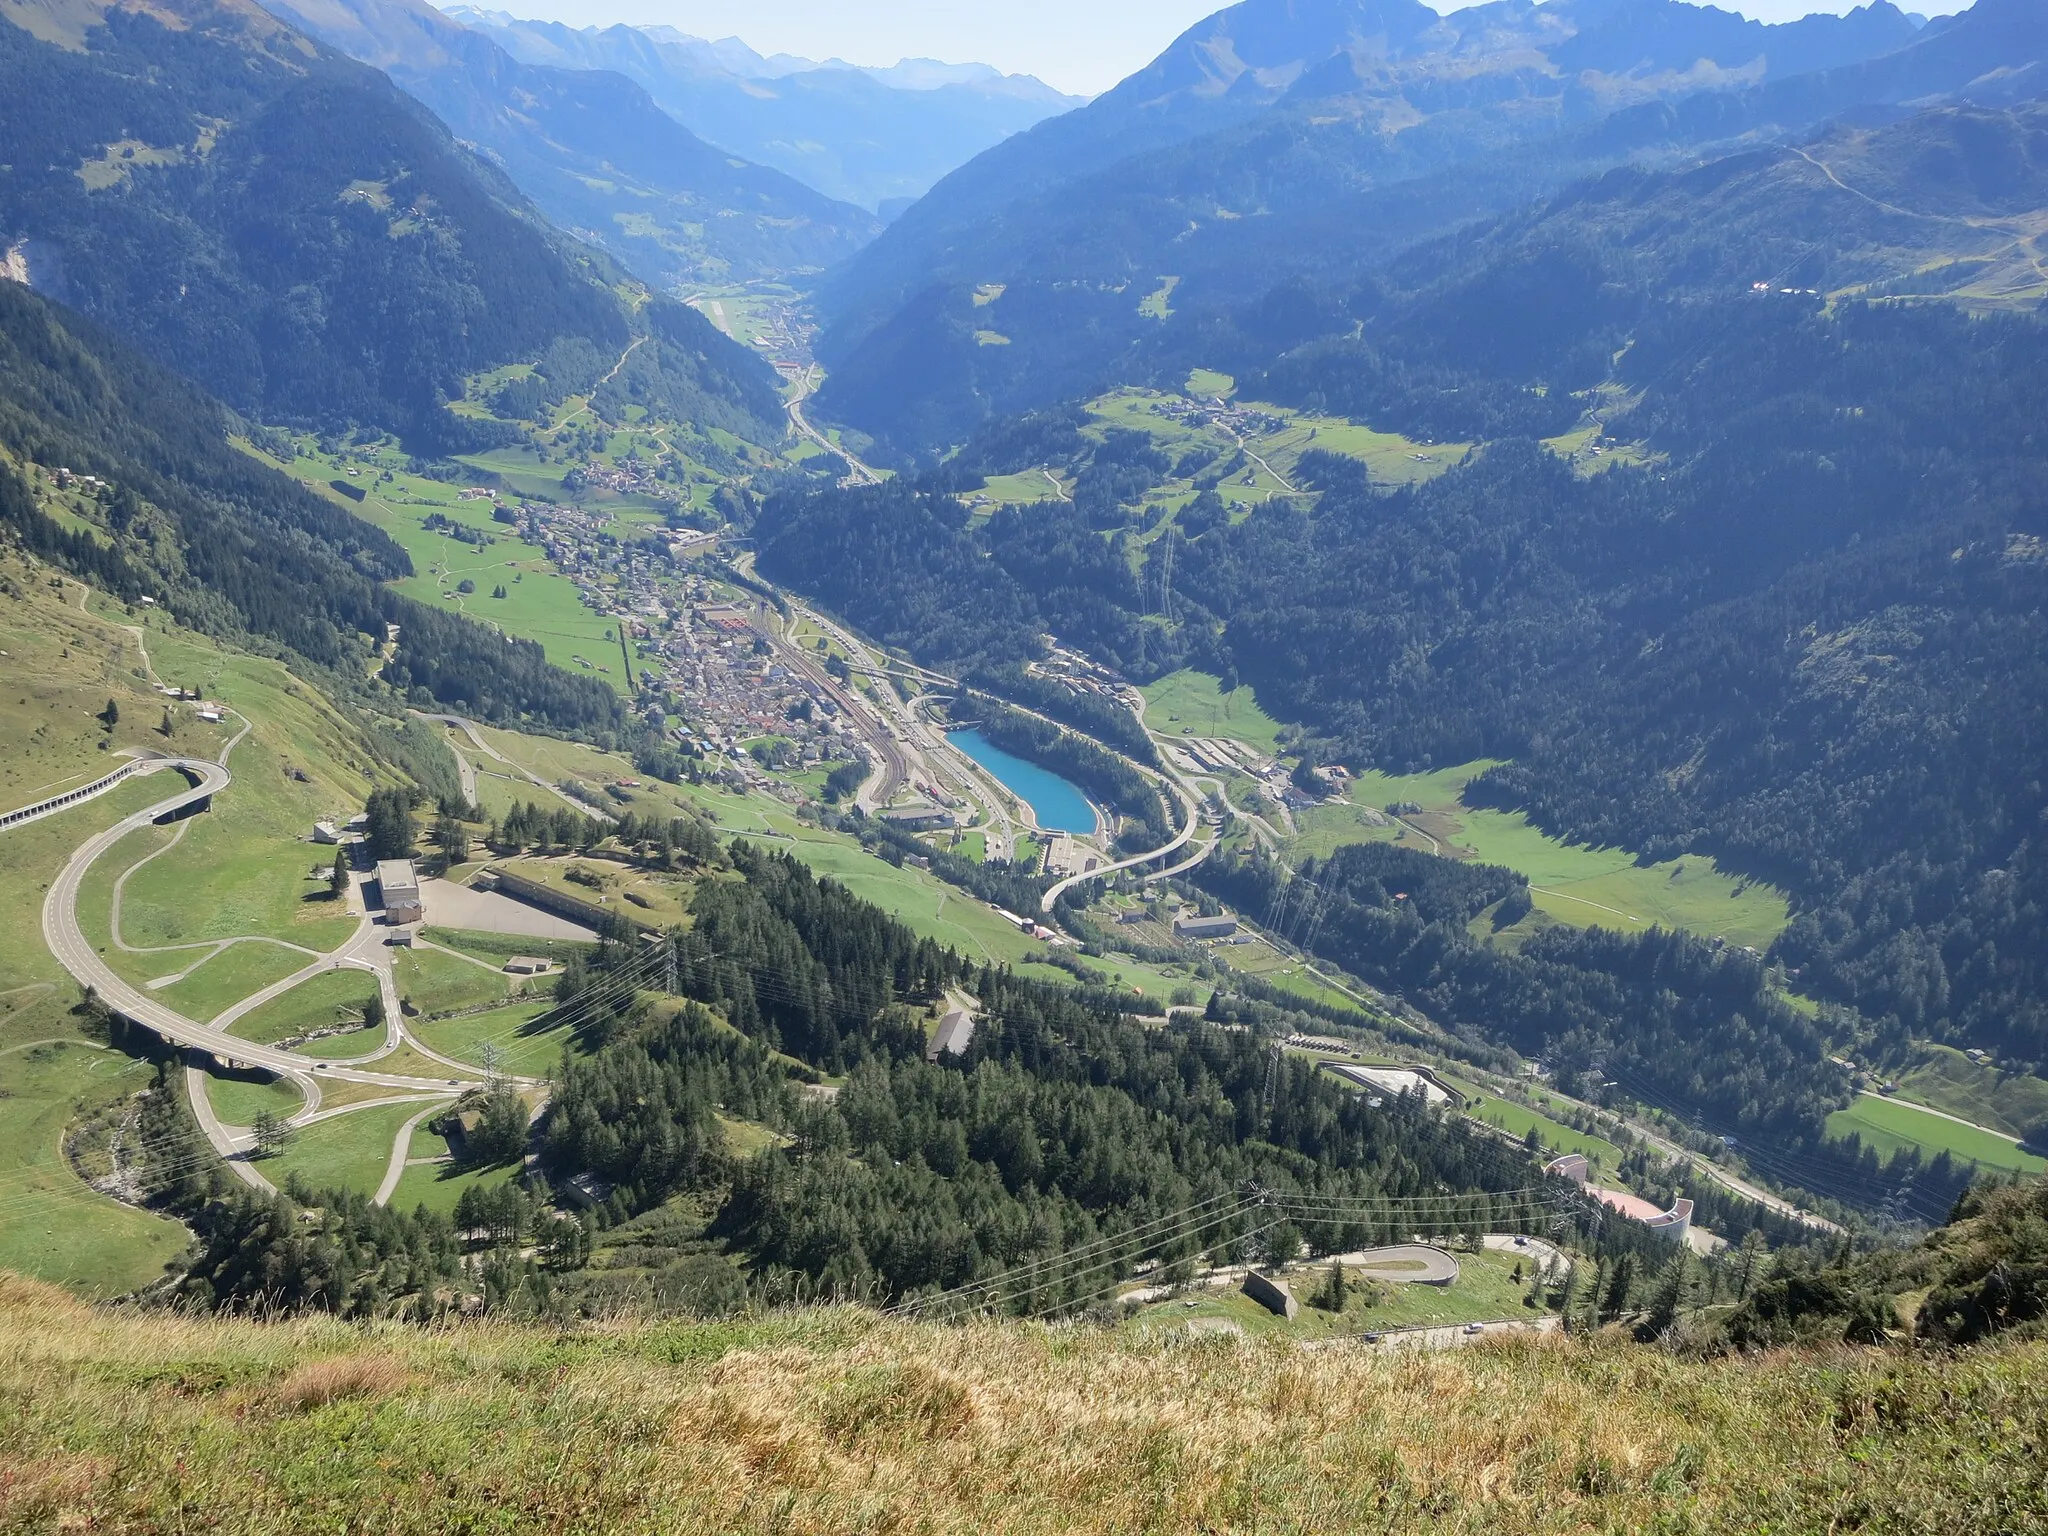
{"x":1180,"y":840}
{"x":67,"y":941}
{"x":806,"y":384}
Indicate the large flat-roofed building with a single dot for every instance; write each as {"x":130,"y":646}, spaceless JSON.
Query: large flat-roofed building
{"x":1221,"y":926}
{"x":400,"y":888}
{"x":920,"y":818}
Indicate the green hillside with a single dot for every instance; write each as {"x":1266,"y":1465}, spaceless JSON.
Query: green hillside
{"x":177,"y":169}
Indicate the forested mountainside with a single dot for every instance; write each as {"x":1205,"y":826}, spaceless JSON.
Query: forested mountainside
{"x":1208,"y":190}
{"x":227,"y":545}
{"x":1794,"y":622}
{"x":597,"y":155}
{"x":180,"y":174}
{"x":876,"y":137}
{"x":1068,"y":1131}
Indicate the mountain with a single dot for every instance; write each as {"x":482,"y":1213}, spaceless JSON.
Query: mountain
{"x":596,"y":153}
{"x":176,"y":173}
{"x":1789,"y":617}
{"x":1282,"y":144}
{"x":224,"y":543}
{"x":875,"y":137}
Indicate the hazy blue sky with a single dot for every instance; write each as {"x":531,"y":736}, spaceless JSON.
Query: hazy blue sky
{"x":1078,"y":45}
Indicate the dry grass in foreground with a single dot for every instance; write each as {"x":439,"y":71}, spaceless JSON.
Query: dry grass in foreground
{"x":837,"y":1421}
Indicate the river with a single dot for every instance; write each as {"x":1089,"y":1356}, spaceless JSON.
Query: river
{"x":1057,"y":805}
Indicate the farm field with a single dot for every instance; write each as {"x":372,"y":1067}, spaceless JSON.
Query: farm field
{"x":1888,"y":1125}
{"x":540,"y":603}
{"x":1571,"y":883}
{"x":1189,"y":702}
{"x":1389,"y":457}
{"x":1024,"y":488}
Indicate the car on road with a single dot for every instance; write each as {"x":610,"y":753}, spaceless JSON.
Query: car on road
{"x":1521,"y":1242}
{"x":1475,"y":1327}
{"x":1373,"y":1338}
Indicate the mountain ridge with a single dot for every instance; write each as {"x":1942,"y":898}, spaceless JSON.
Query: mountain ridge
{"x":870,"y":136}
{"x":596,"y":152}
{"x":183,"y":185}
{"x":1250,"y":204}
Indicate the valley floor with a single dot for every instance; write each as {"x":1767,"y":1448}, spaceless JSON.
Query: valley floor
{"x":835,"y":1420}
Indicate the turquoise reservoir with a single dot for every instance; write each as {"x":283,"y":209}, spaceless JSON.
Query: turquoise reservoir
{"x":1058,"y":805}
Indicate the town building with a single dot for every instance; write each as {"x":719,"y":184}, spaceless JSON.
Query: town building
{"x":920,"y":818}
{"x":1222,"y":926}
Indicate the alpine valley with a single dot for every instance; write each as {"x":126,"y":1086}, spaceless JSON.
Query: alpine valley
{"x":748,"y":792}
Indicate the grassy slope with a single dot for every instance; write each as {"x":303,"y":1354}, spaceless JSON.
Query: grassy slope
{"x":1520,"y":1119}
{"x":50,"y":1223}
{"x":524,"y":1051}
{"x":242,"y":869}
{"x":539,"y":604}
{"x":1887,"y":1125}
{"x":58,"y":669}
{"x":320,"y":1002}
{"x":835,"y":1420}
{"x":1196,"y":701}
{"x":1948,"y":1080}
{"x":350,"y":1151}
{"x":1592,"y":887}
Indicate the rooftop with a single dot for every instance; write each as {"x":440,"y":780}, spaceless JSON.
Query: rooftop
{"x":396,"y":874}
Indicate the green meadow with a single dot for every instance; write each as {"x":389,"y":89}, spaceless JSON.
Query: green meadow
{"x":1889,"y":1125}
{"x":522,"y":1049}
{"x":239,"y":1097}
{"x":1570,"y":882}
{"x":52,"y":1225}
{"x":2015,"y":1102}
{"x":1194,"y":703}
{"x":350,"y":1151}
{"x":319,"y":1002}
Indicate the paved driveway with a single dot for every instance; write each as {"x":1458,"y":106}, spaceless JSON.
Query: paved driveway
{"x":457,"y":906}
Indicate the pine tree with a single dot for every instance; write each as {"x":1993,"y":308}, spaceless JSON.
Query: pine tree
{"x":1749,"y":1266}
{"x":1668,"y":1297}
{"x":1335,"y":1288}
{"x":337,"y":882}
{"x":270,"y":1133}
